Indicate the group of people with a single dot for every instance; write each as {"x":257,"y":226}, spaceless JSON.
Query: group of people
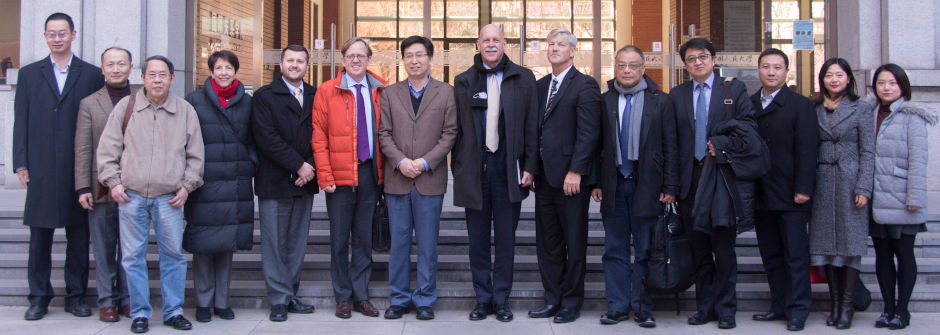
{"x":104,"y":162}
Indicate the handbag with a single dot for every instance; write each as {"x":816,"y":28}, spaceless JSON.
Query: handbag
{"x":671,"y":267}
{"x":381,"y":237}
{"x":127,"y":118}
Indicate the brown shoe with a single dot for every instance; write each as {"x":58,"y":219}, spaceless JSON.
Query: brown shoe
{"x":342,"y":310}
{"x":108,"y":314}
{"x":365,"y":307}
{"x":126,"y":310}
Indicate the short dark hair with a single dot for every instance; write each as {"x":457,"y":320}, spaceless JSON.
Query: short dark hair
{"x":163,"y":59}
{"x":696,"y":43}
{"x":899,"y":74}
{"x":631,"y":48}
{"x":129,"y":58}
{"x":226,"y":55}
{"x":417,"y":39}
{"x":59,"y":16}
{"x":849,"y":88}
{"x":295,"y":48}
{"x":774,"y":51}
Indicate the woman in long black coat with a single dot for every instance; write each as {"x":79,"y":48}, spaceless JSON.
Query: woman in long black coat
{"x":220,"y":214}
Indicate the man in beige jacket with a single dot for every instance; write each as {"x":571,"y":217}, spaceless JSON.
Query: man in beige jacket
{"x":151,"y":163}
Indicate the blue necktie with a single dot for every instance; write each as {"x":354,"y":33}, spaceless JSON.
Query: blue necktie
{"x":701,"y":122}
{"x":626,"y":166}
{"x":362,"y":130}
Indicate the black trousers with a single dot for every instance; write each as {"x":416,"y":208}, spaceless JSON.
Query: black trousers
{"x":350,"y":211}
{"x":784,"y":249}
{"x":561,"y":230}
{"x":901,"y":277}
{"x":40,"y":264}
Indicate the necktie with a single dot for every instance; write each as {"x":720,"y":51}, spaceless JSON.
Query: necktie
{"x":298,"y":97}
{"x":626,"y":166}
{"x":492,"y":114}
{"x":551,"y":93}
{"x":701,"y":121}
{"x":362,"y":130}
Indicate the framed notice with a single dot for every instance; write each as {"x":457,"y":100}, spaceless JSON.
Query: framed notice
{"x":803,"y":35}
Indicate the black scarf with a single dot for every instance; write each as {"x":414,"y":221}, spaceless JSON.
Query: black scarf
{"x":478,"y":81}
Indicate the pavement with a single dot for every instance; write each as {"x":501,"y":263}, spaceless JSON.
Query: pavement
{"x":449,"y":322}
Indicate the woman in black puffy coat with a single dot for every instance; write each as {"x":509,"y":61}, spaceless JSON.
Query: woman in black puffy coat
{"x":220,"y":214}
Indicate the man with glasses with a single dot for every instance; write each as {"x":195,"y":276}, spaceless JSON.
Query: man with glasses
{"x":701,"y":104}
{"x":48,"y":93}
{"x":639,"y":172}
{"x":349,"y":170}
{"x":151,"y":156}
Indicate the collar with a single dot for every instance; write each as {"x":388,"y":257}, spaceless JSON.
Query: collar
{"x":143,"y":101}
{"x":710,"y":82}
{"x":772,"y":95}
{"x":561,"y":76}
{"x":290,"y":88}
{"x":418,"y":93}
{"x":351,"y":83}
{"x":56,"y":67}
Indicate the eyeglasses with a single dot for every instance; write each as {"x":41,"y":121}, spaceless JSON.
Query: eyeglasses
{"x":415,"y":56}
{"x":52,"y":35}
{"x":693,"y":59}
{"x":356,"y":57}
{"x":155,"y":75}
{"x":632,"y":66}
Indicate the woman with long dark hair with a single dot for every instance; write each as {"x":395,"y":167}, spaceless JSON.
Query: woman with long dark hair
{"x":844,"y":179}
{"x":900,"y":194}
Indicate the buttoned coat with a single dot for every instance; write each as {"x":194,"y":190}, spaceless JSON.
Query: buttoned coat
{"x":569,"y":128}
{"x":845,"y":169}
{"x":429,"y":133}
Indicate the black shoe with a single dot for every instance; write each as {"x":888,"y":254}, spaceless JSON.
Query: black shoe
{"x":795,"y":325}
{"x":546,"y":311}
{"x":899,"y":322}
{"x":644,"y":319}
{"x":35,"y":312}
{"x":78,"y":309}
{"x":614,"y":317}
{"x":278,"y":313}
{"x":503,"y":313}
{"x":698,"y":319}
{"x":566,"y":315}
{"x":225,"y":313}
{"x":178,"y":322}
{"x":140,"y":325}
{"x":203,"y":314}
{"x":297,"y":306}
{"x":425,"y":313}
{"x":480,"y":311}
{"x":883,"y":321}
{"x":769,"y":316}
{"x":726,"y":323}
{"x":395,"y":312}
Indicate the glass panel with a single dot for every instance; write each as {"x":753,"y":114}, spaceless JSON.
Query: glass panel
{"x":365,"y":8}
{"x":584,"y":29}
{"x":548,"y":9}
{"x":224,"y":27}
{"x":501,"y":9}
{"x":408,"y":28}
{"x":782,"y":30}
{"x":510,"y":28}
{"x":375,"y":28}
{"x":607,"y":9}
{"x":785,"y":10}
{"x":411,"y":9}
{"x":539,"y":30}
{"x":383,"y":64}
{"x":583,"y":9}
{"x":468,"y":29}
{"x":463,"y":9}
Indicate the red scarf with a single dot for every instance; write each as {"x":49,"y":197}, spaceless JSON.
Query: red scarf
{"x":225,"y":94}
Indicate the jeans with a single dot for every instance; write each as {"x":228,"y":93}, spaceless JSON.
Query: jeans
{"x":422,"y":215}
{"x":135,"y":218}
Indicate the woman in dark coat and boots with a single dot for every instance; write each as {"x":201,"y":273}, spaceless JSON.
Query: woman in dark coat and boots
{"x":844,"y":177}
{"x":900,"y":194}
{"x":220,"y":214}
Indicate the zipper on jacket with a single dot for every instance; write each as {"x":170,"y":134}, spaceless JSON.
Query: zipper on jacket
{"x":153,"y":136}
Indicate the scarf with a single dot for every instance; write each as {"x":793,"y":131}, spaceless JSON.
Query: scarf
{"x":118,"y":93}
{"x":831,"y":104}
{"x":636,"y":116}
{"x":477,"y":87}
{"x":225,"y":94}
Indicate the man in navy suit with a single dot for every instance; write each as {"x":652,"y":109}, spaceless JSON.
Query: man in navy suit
{"x":48,"y":93}
{"x":701,"y":104}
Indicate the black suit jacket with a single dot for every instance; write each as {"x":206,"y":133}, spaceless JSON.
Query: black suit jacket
{"x":282,"y":130}
{"x":685,"y":120}
{"x":790,"y":128}
{"x":657,"y":169}
{"x":44,"y":139}
{"x":569,"y":128}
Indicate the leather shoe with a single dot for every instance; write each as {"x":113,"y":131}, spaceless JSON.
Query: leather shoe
{"x":566,"y":315}
{"x":425,"y":313}
{"x":78,"y":309}
{"x":899,"y":321}
{"x":126,"y":310}
{"x":225,"y":313}
{"x":297,"y":306}
{"x":35,"y":312}
{"x":883,"y":321}
{"x":769,"y":316}
{"x":203,"y":314}
{"x":178,"y":322}
{"x":546,"y":311}
{"x":140,"y":325}
{"x":644,"y":319}
{"x":365,"y":308}
{"x":108,"y":314}
{"x":480,"y":311}
{"x":503,"y":313}
{"x":726,"y":323}
{"x":795,"y":325}
{"x":613,"y":317}
{"x":342,"y":310}
{"x":278,"y":313}
{"x":698,"y":319}
{"x":395,"y":312}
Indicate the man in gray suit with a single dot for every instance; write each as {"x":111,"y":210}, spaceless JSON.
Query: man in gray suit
{"x":418,"y":129}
